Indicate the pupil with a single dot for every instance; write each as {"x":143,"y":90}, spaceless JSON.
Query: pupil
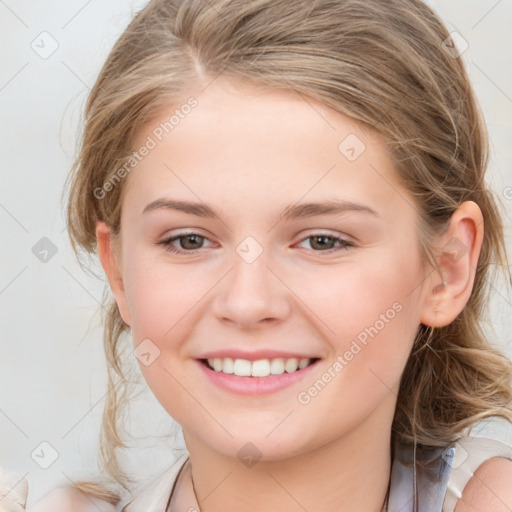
{"x":191,"y":237}
{"x":324,"y":238}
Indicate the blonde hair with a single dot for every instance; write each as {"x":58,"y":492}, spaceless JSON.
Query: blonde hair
{"x":383,"y":64}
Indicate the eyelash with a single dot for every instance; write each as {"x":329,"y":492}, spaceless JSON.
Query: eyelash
{"x":345,"y":245}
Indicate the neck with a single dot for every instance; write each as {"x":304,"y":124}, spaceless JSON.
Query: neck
{"x":348,"y":473}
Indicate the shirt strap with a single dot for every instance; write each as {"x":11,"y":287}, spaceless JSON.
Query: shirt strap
{"x":470,"y":453}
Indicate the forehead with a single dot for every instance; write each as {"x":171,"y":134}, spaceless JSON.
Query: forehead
{"x":251,"y":144}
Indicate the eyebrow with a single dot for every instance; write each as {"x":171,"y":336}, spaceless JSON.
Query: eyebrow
{"x":296,"y":211}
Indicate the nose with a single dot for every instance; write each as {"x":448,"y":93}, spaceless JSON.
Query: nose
{"x":252,"y":295}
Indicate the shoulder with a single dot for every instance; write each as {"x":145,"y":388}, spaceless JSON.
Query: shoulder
{"x":490,"y":488}
{"x":66,"y":499}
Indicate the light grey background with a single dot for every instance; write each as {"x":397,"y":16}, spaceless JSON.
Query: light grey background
{"x":52,"y":371}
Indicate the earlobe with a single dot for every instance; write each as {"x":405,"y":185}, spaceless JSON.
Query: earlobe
{"x":457,"y":251}
{"x":109,"y":262}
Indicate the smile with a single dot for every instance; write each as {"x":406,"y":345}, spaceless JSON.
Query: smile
{"x":262,"y":376}
{"x":259,"y":368}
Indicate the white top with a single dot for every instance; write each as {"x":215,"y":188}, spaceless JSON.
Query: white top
{"x":439,"y":484}
{"x":13,"y":491}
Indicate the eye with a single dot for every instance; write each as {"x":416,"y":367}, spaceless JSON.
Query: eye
{"x":325,"y":243}
{"x":189,"y":242}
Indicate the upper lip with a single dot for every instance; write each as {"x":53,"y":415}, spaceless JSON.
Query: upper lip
{"x":254,"y":356}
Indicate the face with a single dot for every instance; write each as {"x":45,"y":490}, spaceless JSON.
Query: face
{"x":264,"y":276}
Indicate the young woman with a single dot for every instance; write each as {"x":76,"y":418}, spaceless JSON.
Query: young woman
{"x":288,"y":200}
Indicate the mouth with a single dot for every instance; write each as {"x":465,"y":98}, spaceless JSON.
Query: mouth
{"x":258,"y":377}
{"x":260,"y":368}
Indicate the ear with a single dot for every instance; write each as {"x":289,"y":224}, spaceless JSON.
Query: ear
{"x":110,"y":262}
{"x":457,"y":250}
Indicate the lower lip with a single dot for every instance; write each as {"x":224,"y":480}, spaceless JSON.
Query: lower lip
{"x":255,"y":385}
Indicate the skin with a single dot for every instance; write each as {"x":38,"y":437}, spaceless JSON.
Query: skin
{"x":249,"y":152}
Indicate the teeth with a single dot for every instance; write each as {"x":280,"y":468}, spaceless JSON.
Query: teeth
{"x":226,"y":365}
{"x":259,"y":368}
{"x":291,"y":365}
{"x":303,"y":363}
{"x":277,"y":366}
{"x":242,"y":368}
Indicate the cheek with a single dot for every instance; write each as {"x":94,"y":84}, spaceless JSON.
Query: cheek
{"x":371,"y":315}
{"x":160,"y":293}
{"x":363,"y":292}
{"x":372,"y":318}
{"x":161,"y":298}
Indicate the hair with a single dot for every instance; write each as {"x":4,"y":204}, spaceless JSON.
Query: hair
{"x":381,"y":63}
